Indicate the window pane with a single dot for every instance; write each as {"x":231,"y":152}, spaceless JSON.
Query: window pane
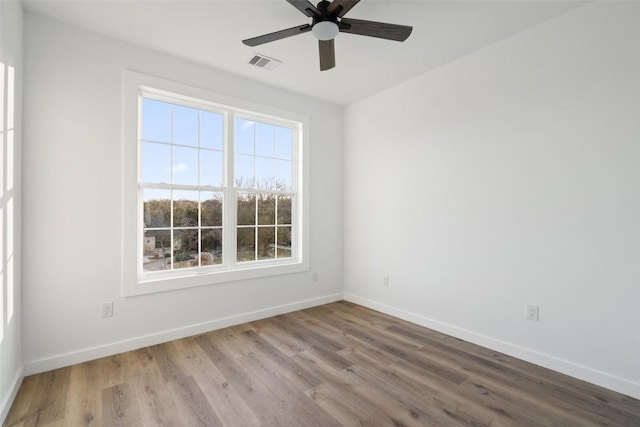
{"x":211,"y":168}
{"x":284,"y":242}
{"x":266,"y":242}
{"x":211,"y":130}
{"x":211,"y":208}
{"x":284,"y":140}
{"x":185,"y":165}
{"x":244,"y":171}
{"x":246,"y":209}
{"x":185,"y":248}
{"x":156,"y":250}
{"x":246,"y":244}
{"x":265,"y":173}
{"x":244,"y":136}
{"x":156,"y":163}
{"x":265,"y":140}
{"x":185,"y":208}
{"x":156,"y":120}
{"x":211,"y":246}
{"x":157,"y":208}
{"x":284,"y":172}
{"x":185,"y":125}
{"x":267,"y":209}
{"x":284,"y":210}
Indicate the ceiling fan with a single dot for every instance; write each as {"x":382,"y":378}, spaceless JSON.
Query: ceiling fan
{"x":327,"y":22}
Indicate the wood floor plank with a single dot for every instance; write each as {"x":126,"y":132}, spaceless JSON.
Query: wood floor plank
{"x":279,"y":339}
{"x":229,"y":406}
{"x":222,"y":396}
{"x":199,"y":412}
{"x":23,"y":401}
{"x":326,"y":349}
{"x":118,"y":368}
{"x":84,"y":402}
{"x":291,"y":401}
{"x":341,"y":405}
{"x":336,"y":364}
{"x":157,"y":402}
{"x":356,"y":398}
{"x":396,"y":347}
{"x":167,"y":361}
{"x":49,"y":401}
{"x":275,"y":360}
{"x":420,"y":399}
{"x":118,"y":407}
{"x":262,"y":402}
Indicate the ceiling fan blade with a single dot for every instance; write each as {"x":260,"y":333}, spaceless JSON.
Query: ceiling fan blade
{"x":282,"y":34}
{"x":380,"y":30}
{"x":305,"y":7}
{"x":327,"y":54}
{"x":344,"y":5}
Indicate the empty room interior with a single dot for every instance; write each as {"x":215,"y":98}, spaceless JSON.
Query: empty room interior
{"x":290,"y":213}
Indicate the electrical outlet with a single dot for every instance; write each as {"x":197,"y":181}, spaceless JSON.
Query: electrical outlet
{"x":385,"y":282}
{"x":533,"y":312}
{"x":106,"y":309}
{"x":315,"y":277}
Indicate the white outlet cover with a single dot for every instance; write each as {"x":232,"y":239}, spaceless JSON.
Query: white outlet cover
{"x":106,"y":309}
{"x":533,"y":312}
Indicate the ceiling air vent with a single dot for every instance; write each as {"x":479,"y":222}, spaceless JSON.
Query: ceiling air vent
{"x":262,"y":61}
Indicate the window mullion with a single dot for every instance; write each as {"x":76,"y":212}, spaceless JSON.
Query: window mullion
{"x":255,"y":237}
{"x":230,"y":215}
{"x":275,"y":225}
{"x":199,"y":255}
{"x":199,"y":229}
{"x":172,"y":190}
{"x":171,"y":231}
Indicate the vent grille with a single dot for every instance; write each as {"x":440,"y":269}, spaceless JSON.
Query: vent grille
{"x":264,"y":62}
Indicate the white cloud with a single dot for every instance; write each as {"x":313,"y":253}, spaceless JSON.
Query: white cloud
{"x":180,"y":167}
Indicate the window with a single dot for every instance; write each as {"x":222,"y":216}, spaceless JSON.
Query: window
{"x":218,"y":186}
{"x":7,"y":194}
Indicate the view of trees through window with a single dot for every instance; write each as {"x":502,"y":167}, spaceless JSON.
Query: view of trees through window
{"x":183,"y":192}
{"x":196,"y":227}
{"x":264,"y":226}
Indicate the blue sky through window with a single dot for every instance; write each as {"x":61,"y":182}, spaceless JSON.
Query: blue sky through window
{"x":181,"y":145}
{"x":263,"y":156}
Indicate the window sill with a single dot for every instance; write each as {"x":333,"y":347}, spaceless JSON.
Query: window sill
{"x":154,"y":284}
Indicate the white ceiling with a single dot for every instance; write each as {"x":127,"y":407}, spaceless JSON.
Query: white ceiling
{"x":210,"y":32}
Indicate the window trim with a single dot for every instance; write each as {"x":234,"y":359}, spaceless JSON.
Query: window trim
{"x":135,"y":283}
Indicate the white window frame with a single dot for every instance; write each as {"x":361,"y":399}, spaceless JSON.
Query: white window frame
{"x":138,"y":282}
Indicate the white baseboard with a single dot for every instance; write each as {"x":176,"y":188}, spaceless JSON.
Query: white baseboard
{"x":603,"y":379}
{"x":7,"y":400}
{"x":67,"y":359}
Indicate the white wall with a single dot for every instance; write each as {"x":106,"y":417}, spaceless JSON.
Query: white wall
{"x":72,"y":187}
{"x":506,"y":178}
{"x":11,"y":370}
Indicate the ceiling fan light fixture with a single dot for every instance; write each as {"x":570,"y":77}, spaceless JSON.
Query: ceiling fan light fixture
{"x":325,"y":30}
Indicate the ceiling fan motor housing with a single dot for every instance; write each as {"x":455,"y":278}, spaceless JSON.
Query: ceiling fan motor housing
{"x":325,"y":25}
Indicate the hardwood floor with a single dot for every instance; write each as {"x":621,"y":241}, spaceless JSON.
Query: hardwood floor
{"x":338,"y":364}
